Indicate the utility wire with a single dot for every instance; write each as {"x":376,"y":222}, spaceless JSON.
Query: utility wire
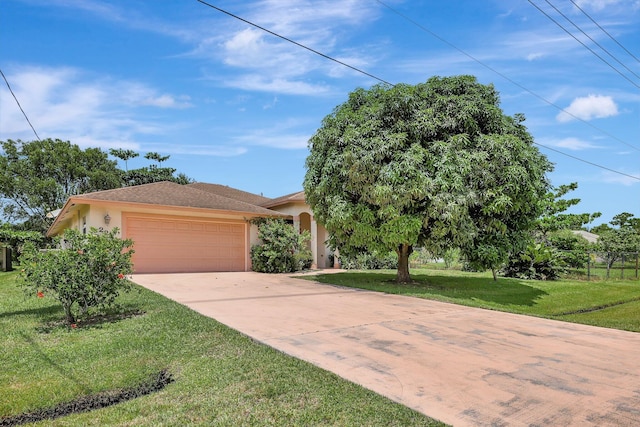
{"x":458,"y":49}
{"x":513,"y":82}
{"x":296,"y":43}
{"x":588,"y":162}
{"x":582,"y":43}
{"x":19,"y":106}
{"x":604,"y":31}
{"x":591,"y":38}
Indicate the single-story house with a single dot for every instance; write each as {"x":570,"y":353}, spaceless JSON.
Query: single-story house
{"x":196,"y":227}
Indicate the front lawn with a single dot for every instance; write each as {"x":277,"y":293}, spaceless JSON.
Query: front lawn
{"x":611,"y":303}
{"x":220,"y":376}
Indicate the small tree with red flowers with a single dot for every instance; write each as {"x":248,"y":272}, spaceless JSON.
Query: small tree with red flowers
{"x":87,"y":271}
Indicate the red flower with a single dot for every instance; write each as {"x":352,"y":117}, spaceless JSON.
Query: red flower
{"x":120,"y":276}
{"x":73,"y":326}
{"x":40,"y":294}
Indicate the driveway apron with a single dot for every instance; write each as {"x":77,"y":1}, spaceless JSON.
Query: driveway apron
{"x":461,"y":365}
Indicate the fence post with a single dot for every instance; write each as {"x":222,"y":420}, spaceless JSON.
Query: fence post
{"x":636,"y":265}
{"x":589,"y":266}
{"x":622,"y":268}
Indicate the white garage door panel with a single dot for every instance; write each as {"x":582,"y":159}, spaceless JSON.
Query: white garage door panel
{"x":166,"y":245}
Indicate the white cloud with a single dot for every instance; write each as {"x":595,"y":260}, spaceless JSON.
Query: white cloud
{"x":574,"y":144}
{"x":197,"y":150}
{"x":602,"y":4}
{"x":275,"y":85}
{"x":614,"y":178}
{"x":285,"y":135}
{"x":589,"y":107}
{"x":284,"y":67}
{"x":89,"y":111}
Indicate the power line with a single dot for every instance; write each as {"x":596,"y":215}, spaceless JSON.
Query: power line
{"x":513,"y":82}
{"x":588,"y":162}
{"x":584,"y":45}
{"x":295,"y":42}
{"x":604,"y":31}
{"x":458,"y":49}
{"x":19,"y":106}
{"x":591,"y":38}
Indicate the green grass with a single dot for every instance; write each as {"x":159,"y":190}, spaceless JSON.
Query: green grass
{"x":611,"y":303}
{"x":221,"y":377}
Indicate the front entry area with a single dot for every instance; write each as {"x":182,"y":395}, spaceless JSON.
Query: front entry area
{"x":168,"y":244}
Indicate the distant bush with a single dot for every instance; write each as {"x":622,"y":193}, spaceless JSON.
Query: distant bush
{"x":88,"y":271}
{"x":283,"y":249}
{"x":369,"y":261}
{"x":538,"y":262}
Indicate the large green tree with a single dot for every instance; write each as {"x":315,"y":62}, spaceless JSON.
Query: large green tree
{"x":37,"y":177}
{"x":436,"y":164}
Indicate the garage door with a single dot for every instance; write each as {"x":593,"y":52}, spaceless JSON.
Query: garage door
{"x":174,"y":245}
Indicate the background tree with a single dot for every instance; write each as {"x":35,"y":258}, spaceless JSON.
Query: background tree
{"x":157,"y":157}
{"x":37,"y":177}
{"x":154,"y":173}
{"x":551,"y":246}
{"x":123,"y":155}
{"x":621,"y":240}
{"x":437,"y":164}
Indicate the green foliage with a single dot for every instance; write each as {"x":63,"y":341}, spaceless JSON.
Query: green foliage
{"x":124,"y":155}
{"x":283,"y":249}
{"x":88,"y":271}
{"x":451,"y":257}
{"x":617,"y":242}
{"x":16,"y":239}
{"x":538,"y":261}
{"x":572,"y":249}
{"x":552,"y":246}
{"x":435,"y":165}
{"x":37,"y":177}
{"x":369,"y":261}
{"x":553,"y":218}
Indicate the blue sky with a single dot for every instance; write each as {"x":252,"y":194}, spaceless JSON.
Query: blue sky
{"x":234,"y":105}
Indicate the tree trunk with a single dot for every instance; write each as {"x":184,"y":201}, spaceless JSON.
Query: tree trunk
{"x":495,"y":274}
{"x":403,"y":252}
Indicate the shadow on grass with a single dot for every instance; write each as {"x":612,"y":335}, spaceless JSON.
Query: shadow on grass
{"x":455,"y":288}
{"x":48,"y":312}
{"x":92,"y":321}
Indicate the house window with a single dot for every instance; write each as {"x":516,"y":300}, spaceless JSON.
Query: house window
{"x":84,"y":225}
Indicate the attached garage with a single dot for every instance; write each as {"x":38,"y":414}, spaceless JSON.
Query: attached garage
{"x":175,"y":228}
{"x":176,"y":244}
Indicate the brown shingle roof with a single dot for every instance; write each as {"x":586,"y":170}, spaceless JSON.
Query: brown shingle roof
{"x":289,"y":198}
{"x":232,"y":193}
{"x":172,"y":194}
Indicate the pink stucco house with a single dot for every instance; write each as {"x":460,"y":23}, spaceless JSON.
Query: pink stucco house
{"x":188,"y":228}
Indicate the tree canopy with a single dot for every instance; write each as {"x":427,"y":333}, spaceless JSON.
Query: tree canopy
{"x":436,"y":164}
{"x":37,"y":177}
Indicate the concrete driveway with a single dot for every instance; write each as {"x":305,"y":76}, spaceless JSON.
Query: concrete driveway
{"x":464,"y":366}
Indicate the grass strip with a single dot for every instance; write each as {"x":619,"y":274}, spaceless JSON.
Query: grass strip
{"x":92,"y":402}
{"x":569,"y":300}
{"x":597,"y":308}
